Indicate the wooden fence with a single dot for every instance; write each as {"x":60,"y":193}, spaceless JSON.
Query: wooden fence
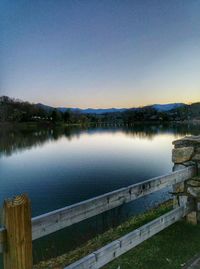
{"x":19,"y":229}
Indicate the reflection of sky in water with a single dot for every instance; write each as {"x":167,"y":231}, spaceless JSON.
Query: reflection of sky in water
{"x":61,"y":168}
{"x":64,"y":171}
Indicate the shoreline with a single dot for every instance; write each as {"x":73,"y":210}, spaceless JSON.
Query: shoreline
{"x":114,"y":124}
{"x":105,"y":238}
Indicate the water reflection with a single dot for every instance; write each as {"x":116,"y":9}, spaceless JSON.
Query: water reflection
{"x":17,"y":138}
{"x":61,"y":166}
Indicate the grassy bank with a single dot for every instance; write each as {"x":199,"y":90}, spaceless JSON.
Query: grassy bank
{"x":105,"y":238}
{"x":170,"y":249}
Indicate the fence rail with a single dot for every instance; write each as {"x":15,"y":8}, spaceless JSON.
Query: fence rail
{"x":58,"y":219}
{"x":118,"y":247}
{"x":64,"y":217}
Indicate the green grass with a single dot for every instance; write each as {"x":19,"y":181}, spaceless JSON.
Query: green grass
{"x":105,"y":238}
{"x":170,"y":249}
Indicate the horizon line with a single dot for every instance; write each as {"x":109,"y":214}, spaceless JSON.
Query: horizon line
{"x":111,"y":107}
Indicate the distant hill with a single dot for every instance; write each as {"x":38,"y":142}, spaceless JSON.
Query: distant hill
{"x":15,"y":110}
{"x":167,"y":107}
{"x":83,"y":111}
{"x":99,"y":111}
{"x":45,"y":107}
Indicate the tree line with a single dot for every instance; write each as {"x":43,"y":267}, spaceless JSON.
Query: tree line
{"x":14,"y":110}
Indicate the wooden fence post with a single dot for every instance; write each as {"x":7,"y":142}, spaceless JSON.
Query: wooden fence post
{"x":17,"y":221}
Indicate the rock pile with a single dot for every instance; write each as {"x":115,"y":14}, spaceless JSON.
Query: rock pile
{"x":186,"y":153}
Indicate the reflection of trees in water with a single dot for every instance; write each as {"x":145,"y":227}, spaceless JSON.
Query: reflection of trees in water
{"x":18,"y":138}
{"x":148,"y":131}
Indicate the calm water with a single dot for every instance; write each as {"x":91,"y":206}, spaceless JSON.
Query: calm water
{"x":58,"y":167}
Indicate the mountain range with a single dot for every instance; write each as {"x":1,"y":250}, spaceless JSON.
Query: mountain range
{"x":98,"y":111}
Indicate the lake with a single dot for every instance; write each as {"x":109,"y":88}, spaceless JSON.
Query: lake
{"x":61,"y":166}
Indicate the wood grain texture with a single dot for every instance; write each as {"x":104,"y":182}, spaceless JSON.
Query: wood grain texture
{"x":64,"y":217}
{"x":17,"y":221}
{"x":2,"y":239}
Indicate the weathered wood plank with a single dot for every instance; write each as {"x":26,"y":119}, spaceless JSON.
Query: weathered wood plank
{"x":61,"y":218}
{"x":64,"y":217}
{"x":2,"y":238}
{"x":118,"y":247}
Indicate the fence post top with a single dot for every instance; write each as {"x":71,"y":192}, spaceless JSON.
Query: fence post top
{"x":17,"y":200}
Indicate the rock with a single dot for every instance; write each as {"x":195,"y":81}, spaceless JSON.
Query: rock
{"x":198,"y":168}
{"x":194,"y":191}
{"x":178,"y":188}
{"x":193,"y":183}
{"x":181,"y":155}
{"x":196,"y":178}
{"x":196,"y":157}
{"x":178,"y":167}
{"x":188,"y":140}
{"x":189,"y":163}
{"x":192,"y":218}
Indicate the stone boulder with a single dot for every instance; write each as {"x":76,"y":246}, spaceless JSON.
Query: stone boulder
{"x":181,"y":155}
{"x":188,"y":140}
{"x":196,"y":157}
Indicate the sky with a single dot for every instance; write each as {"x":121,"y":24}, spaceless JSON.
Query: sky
{"x":100,"y":53}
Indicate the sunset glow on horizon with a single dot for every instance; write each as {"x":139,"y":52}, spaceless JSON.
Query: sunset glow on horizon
{"x":100,"y":54}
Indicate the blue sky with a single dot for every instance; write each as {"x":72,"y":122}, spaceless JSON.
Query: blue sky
{"x":105,"y":53}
